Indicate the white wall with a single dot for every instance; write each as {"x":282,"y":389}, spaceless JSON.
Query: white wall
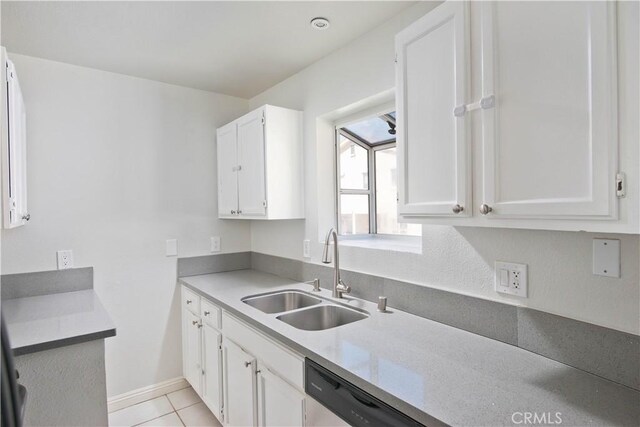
{"x":117,"y":165}
{"x":454,"y":258}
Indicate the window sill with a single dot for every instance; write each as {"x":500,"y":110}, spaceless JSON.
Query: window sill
{"x":386,"y":242}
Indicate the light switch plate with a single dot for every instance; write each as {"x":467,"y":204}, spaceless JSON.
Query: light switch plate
{"x":306,"y":249}
{"x":215,"y":244}
{"x":172,"y":247}
{"x":511,"y":278}
{"x":606,"y":257}
{"x":65,"y":259}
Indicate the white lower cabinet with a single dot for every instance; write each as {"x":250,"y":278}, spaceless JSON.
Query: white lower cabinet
{"x":239,"y":385}
{"x":191,"y":349}
{"x":279,"y":404}
{"x":242,"y":375}
{"x":212,"y":369}
{"x":202,"y":351}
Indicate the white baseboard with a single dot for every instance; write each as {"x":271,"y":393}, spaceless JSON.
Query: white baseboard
{"x":124,"y":400}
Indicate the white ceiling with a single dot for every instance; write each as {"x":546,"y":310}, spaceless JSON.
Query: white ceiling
{"x":232,"y":47}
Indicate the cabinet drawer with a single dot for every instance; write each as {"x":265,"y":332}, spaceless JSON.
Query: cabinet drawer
{"x":191,"y":301}
{"x":278,"y":358}
{"x":210,"y":314}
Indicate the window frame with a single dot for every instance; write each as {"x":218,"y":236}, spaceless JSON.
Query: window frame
{"x":371,"y":167}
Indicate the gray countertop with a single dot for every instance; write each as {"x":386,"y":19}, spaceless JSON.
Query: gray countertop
{"x":430,"y":371}
{"x":55,"y":320}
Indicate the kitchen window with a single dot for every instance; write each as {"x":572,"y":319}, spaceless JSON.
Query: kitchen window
{"x":367,"y":178}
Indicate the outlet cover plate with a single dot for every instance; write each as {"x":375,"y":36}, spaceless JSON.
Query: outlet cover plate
{"x":215,"y":244}
{"x":65,"y":259}
{"x":172,"y":247}
{"x":306,"y":248}
{"x":606,"y":257}
{"x":511,"y":278}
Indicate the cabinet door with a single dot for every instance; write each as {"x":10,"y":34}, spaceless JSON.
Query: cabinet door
{"x":212,"y":367}
{"x":227,"y":170}
{"x":432,"y":75}
{"x":279,"y":404}
{"x":550,"y":144}
{"x":251,"y":158}
{"x":14,"y":151}
{"x":191,"y":349}
{"x":239,"y":385}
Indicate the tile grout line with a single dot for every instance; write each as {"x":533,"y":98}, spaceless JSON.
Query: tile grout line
{"x":148,"y":400}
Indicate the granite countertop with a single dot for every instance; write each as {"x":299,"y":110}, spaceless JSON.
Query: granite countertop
{"x":432,"y":372}
{"x":55,"y":320}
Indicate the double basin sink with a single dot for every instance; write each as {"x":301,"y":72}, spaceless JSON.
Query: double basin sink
{"x":304,"y":311}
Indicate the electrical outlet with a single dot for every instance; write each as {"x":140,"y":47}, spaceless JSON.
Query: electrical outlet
{"x":306,"y":248}
{"x":172,"y":247}
{"x":65,"y":259}
{"x":215,"y":244}
{"x":511,"y":278}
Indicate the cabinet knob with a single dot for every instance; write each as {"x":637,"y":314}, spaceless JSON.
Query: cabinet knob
{"x":485,"y":209}
{"x":457,"y":209}
{"x":189,"y":301}
{"x":194,"y":322}
{"x":26,"y":217}
{"x":247,"y":364}
{"x":206,"y":313}
{"x":239,"y":212}
{"x":233,"y":212}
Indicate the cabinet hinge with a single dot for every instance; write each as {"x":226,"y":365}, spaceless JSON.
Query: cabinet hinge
{"x":395,"y":59}
{"x":621,"y":185}
{"x":485,"y":103}
{"x":264,"y":203}
{"x":263,"y":120}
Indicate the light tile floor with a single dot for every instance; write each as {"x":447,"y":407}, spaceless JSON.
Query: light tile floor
{"x":177,"y":409}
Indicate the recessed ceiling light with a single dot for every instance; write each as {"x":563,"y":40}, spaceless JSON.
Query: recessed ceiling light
{"x":320,"y":23}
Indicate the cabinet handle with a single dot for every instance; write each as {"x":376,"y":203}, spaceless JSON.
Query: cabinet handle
{"x":247,"y":364}
{"x":457,"y":209}
{"x":206,"y":313}
{"x":189,"y":301}
{"x":485,"y":209}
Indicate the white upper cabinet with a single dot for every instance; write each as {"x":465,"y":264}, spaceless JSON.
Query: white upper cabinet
{"x":260,"y":165}
{"x":550,"y":144}
{"x":14,"y":148}
{"x":510,"y":111}
{"x":227,"y":171}
{"x":252,"y":199}
{"x":433,"y":147}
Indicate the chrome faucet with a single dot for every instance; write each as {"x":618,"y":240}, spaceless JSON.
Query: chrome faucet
{"x":339,"y":286}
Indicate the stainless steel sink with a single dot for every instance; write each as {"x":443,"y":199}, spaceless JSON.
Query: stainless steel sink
{"x":278,"y":302}
{"x":322,"y":317}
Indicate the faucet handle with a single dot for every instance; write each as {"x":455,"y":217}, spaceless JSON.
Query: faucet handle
{"x":343,"y":288}
{"x":316,"y":285}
